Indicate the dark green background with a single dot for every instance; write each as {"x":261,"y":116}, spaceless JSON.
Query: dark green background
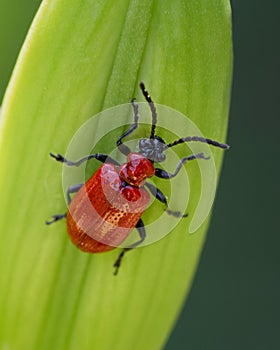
{"x":234,"y":302}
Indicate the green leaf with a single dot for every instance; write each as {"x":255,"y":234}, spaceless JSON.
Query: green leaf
{"x":79,"y":58}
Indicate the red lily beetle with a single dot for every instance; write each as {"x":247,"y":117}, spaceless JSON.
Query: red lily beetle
{"x":110,"y":204}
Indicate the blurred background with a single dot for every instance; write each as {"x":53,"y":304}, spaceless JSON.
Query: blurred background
{"x":234,"y":302}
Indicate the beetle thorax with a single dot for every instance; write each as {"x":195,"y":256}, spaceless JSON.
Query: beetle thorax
{"x":137,"y":169}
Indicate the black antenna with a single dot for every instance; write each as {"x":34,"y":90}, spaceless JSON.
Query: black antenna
{"x":198,"y":139}
{"x":152,"y":107}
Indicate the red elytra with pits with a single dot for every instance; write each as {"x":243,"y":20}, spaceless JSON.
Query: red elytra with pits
{"x":104,"y":211}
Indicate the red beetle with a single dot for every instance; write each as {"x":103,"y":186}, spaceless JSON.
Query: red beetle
{"x":110,"y":204}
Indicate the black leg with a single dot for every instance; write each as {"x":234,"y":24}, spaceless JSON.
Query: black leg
{"x":199,"y":139}
{"x":99,"y":156}
{"x":165,"y":175}
{"x":73,"y":189}
{"x":123,"y":148}
{"x":142,"y":233}
{"x":152,"y":108}
{"x":56,"y":217}
{"x":156,"y":192}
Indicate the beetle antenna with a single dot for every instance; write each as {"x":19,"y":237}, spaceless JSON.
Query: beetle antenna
{"x":198,"y":139}
{"x":152,"y":107}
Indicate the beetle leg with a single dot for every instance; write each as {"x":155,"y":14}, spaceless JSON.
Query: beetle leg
{"x":56,"y":217}
{"x":99,"y":156}
{"x":156,"y":192}
{"x":123,"y":148}
{"x":199,"y":139}
{"x":72,"y":189}
{"x":142,"y":233}
{"x":165,"y":175}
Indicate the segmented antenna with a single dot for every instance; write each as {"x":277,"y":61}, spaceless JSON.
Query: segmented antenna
{"x":198,"y":139}
{"x":152,"y":107}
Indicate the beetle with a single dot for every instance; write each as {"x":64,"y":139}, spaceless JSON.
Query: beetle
{"x":110,"y":204}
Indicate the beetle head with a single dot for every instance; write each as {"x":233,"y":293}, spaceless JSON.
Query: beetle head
{"x":153,"y":148}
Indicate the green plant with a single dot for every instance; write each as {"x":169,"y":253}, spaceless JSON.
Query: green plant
{"x":79,"y":58}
